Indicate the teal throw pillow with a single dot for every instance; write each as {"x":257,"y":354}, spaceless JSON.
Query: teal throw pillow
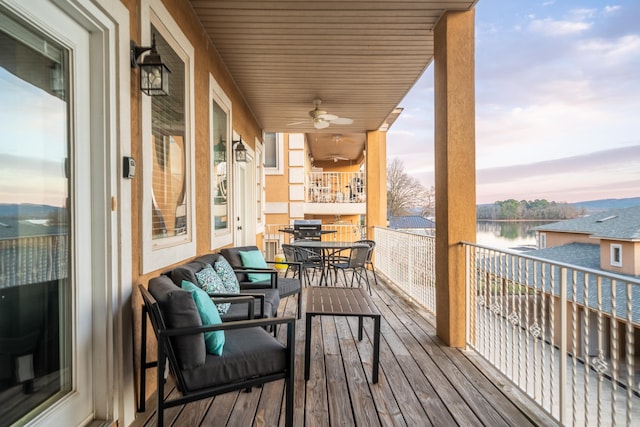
{"x":214,"y":341}
{"x":256,"y":260}
{"x":210,"y":282}
{"x":227,"y":275}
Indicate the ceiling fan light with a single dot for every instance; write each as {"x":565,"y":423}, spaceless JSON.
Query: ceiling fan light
{"x":320,"y":124}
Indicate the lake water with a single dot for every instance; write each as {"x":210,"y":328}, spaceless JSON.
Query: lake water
{"x":507,"y":235}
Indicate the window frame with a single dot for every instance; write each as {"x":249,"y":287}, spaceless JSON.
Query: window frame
{"x":613,"y":249}
{"x":542,"y":240}
{"x":222,"y":237}
{"x":260,"y":185}
{"x":158,"y":253}
{"x":279,"y":168}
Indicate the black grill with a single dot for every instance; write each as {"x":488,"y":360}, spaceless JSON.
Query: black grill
{"x":310,"y":229}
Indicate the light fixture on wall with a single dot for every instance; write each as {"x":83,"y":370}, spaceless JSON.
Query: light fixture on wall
{"x":240,"y":151}
{"x":154,"y":75}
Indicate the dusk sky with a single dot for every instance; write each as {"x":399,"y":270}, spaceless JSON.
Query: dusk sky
{"x":557,"y":103}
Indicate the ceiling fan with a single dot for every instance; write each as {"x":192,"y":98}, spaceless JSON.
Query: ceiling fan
{"x":335,"y":157}
{"x":322,"y":119}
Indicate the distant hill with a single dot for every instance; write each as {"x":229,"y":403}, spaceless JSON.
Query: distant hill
{"x":606,"y":204}
{"x":27,"y":211}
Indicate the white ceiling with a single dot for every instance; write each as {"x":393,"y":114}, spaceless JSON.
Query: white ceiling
{"x":359,"y":57}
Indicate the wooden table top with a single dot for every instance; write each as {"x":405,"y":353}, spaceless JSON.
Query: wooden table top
{"x":339,"y":301}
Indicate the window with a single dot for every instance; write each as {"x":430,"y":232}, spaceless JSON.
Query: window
{"x":542,"y":240}
{"x":616,"y":255}
{"x":221,"y":150}
{"x":167,"y":131}
{"x":273,"y":154}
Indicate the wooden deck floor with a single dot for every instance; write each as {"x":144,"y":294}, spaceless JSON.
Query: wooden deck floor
{"x":422,"y":382}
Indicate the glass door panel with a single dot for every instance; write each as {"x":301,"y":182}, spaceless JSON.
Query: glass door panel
{"x":35,"y":229}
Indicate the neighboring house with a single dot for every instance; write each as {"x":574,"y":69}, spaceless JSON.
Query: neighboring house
{"x":612,"y":238}
{"x":413,"y":223}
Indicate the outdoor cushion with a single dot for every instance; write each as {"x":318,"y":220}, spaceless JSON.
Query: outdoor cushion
{"x":239,"y":359}
{"x":254,"y":259}
{"x":227,"y":275}
{"x":180,"y":311}
{"x":288,"y":286}
{"x":214,"y":340}
{"x":236,"y":311}
{"x":209,"y":281}
{"x":232,"y":255}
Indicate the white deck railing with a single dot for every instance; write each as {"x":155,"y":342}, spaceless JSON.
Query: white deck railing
{"x":335,"y":187}
{"x":565,"y":335}
{"x":569,"y":337}
{"x":37,"y":259}
{"x":408,"y":261}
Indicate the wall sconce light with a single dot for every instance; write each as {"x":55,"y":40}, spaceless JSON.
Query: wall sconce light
{"x":154,"y":75}
{"x":240,"y":151}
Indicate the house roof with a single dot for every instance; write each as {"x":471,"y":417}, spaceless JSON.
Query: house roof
{"x":414,"y":221}
{"x":548,"y":277}
{"x":618,"y":224}
{"x":580,"y":254}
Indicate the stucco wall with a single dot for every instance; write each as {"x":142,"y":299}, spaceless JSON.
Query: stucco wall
{"x":206,"y":62}
{"x":559,"y":239}
{"x":630,"y":261}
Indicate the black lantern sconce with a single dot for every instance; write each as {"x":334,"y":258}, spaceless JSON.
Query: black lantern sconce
{"x":154,"y":75}
{"x":240,"y":151}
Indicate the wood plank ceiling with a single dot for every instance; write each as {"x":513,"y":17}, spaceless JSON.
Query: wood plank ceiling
{"x":359,"y":57}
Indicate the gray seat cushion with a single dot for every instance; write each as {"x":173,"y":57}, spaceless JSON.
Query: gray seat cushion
{"x":239,"y":360}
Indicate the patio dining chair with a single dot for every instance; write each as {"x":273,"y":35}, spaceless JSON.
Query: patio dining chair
{"x":372,"y":245}
{"x":353,"y":260}
{"x":306,"y":260}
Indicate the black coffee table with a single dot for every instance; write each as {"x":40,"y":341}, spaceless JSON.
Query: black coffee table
{"x":337,"y":301}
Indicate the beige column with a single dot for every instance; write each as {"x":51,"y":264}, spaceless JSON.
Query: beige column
{"x":455,"y":170}
{"x":376,"y":176}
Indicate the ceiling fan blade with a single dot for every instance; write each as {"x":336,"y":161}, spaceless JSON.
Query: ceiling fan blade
{"x":320,"y":124}
{"x":297,"y":123}
{"x":327,"y":116}
{"x":341,"y":121}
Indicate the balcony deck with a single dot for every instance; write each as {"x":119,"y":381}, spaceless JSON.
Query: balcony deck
{"x":422,"y":382}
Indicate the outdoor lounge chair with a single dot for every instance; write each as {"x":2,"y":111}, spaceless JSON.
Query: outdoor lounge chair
{"x":287,"y":286}
{"x":250,"y":356}
{"x":268,"y":297}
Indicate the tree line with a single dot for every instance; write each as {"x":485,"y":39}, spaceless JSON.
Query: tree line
{"x":539,"y":209}
{"x":406,"y":196}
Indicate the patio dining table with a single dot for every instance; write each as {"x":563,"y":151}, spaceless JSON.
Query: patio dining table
{"x":325,"y":249}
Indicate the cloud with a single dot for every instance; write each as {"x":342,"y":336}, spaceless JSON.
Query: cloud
{"x":611,"y":173}
{"x":611,"y":9}
{"x":551,"y":27}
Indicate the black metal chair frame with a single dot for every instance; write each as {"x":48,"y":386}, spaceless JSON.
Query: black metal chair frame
{"x":372,"y":245}
{"x":165,"y":353}
{"x":303,"y":261}
{"x":355,"y":261}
